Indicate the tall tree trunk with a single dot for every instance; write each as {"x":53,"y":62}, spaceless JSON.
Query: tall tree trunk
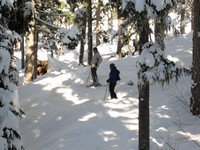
{"x":192,"y":18}
{"x":89,"y":31}
{"x":195,"y":99}
{"x":144,"y":34}
{"x":98,"y":23}
{"x":110,"y":23}
{"x":83,"y":31}
{"x":119,"y":43}
{"x":22,"y":45}
{"x":160,"y":31}
{"x":35,"y":53}
{"x":22,"y":54}
{"x":144,"y":116}
{"x":30,"y":53}
{"x":144,"y":96}
{"x":182,"y":24}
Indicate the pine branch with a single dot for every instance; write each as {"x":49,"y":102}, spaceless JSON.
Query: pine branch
{"x":47,"y":24}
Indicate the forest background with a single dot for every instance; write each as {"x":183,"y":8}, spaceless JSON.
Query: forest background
{"x":31,"y":25}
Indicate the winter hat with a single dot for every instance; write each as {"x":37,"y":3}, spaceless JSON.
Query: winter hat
{"x":112,"y":65}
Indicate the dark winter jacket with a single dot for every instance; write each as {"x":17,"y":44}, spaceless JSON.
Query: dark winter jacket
{"x":113,"y":75}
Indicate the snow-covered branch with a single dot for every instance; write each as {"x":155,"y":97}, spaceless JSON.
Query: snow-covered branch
{"x":153,"y":66}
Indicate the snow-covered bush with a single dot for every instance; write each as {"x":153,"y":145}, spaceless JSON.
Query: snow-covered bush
{"x":10,"y":138}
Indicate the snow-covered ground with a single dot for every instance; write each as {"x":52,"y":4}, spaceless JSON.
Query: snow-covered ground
{"x":63,"y":114}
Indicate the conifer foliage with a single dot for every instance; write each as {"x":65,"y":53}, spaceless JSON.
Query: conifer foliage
{"x":10,"y":111}
{"x":153,"y":66}
{"x":9,"y":106}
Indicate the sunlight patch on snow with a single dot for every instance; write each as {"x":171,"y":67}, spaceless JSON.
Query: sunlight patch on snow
{"x":78,"y":80}
{"x":161,"y":129}
{"x":59,"y":118}
{"x":34,"y":105}
{"x":117,"y":105}
{"x":88,"y":117}
{"x":164,"y":107}
{"x":116,"y":114}
{"x":132,"y":125}
{"x":155,"y":141}
{"x":162,"y":115}
{"x":50,"y":83}
{"x":108,"y":135}
{"x":69,"y":96}
{"x":36,"y":132}
{"x":124,"y":109}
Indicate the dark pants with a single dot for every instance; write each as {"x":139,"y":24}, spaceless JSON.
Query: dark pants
{"x":94,"y":75}
{"x":112,"y":90}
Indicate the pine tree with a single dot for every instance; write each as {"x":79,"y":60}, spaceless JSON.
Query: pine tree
{"x":141,"y":12}
{"x":10,"y":112}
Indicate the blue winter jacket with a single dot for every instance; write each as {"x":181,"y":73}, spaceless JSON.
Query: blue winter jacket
{"x":113,"y":75}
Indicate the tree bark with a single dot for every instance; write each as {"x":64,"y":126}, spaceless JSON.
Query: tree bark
{"x":192,"y":18}
{"x":195,"y":99}
{"x":144,"y":94}
{"x":144,"y":116}
{"x":144,"y":34}
{"x":22,"y":54}
{"x":89,"y":31}
{"x":182,"y":25}
{"x":83,"y":31}
{"x":31,"y":53}
{"x":98,"y":23}
{"x":160,"y":31}
{"x":119,"y":43}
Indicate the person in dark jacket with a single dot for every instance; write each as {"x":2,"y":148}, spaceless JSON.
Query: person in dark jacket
{"x":112,"y":80}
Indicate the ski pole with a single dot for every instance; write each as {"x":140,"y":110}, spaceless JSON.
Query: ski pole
{"x":88,"y":78}
{"x":106,"y":91}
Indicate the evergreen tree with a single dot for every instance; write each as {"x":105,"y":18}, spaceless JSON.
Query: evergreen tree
{"x":141,"y":11}
{"x":10,"y":138}
{"x":184,"y":9}
{"x":48,"y":24}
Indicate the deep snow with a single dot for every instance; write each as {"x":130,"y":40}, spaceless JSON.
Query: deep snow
{"x":63,"y":114}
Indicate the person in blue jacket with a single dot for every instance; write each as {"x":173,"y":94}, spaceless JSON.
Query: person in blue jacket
{"x":112,"y":80}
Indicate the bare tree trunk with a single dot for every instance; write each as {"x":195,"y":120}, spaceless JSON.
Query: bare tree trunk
{"x":192,"y":18}
{"x":83,"y":31}
{"x":144,"y":34}
{"x":31,"y":53}
{"x":35,"y":53}
{"x":144,"y":116}
{"x":195,"y":101}
{"x":144,"y":95}
{"x":22,"y":54}
{"x":98,"y":23}
{"x":89,"y":31}
{"x":110,"y":23}
{"x":160,"y":31}
{"x":119,"y":43}
{"x":22,"y":46}
{"x":182,"y":25}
